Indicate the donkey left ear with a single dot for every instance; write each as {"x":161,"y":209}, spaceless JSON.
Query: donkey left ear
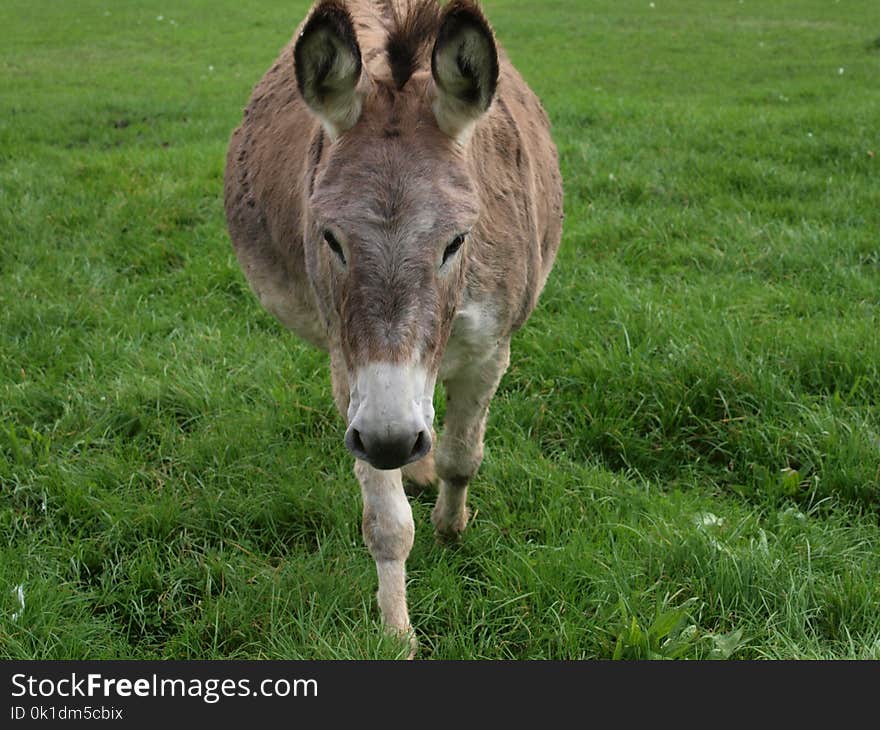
{"x":328,"y":67}
{"x":464,"y":64}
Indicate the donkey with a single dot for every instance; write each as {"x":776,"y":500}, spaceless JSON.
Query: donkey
{"x":393,"y":196}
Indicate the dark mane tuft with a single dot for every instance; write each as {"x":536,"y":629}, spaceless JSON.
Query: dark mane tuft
{"x":412,"y":31}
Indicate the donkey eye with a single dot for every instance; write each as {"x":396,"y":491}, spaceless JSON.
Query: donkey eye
{"x":453,"y":247}
{"x":331,"y":241}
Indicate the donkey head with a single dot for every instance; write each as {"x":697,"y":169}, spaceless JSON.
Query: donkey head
{"x":392,"y":206}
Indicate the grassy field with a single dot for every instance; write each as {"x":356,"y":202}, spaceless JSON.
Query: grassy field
{"x":683,"y":460}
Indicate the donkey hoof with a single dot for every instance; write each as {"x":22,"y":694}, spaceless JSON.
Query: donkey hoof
{"x":407,"y":637}
{"x":448,"y":528}
{"x":413,"y":646}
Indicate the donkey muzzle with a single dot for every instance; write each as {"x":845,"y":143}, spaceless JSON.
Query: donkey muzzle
{"x":390,"y":415}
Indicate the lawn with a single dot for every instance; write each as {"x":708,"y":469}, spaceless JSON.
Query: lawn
{"x":682,"y":461}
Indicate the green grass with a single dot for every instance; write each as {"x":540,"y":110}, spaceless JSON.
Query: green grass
{"x":683,"y":460}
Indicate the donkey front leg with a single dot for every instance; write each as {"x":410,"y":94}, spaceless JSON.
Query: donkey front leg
{"x":387,"y":524}
{"x":388,"y":533}
{"x":460,"y":451}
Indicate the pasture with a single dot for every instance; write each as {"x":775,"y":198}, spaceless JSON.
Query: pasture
{"x":682,"y":461}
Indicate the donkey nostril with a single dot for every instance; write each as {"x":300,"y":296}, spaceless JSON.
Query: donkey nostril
{"x":422,"y":445}
{"x":356,"y":441}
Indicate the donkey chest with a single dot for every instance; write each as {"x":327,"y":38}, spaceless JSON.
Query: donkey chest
{"x":474,"y":339}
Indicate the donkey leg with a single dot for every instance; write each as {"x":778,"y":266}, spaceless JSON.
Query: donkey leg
{"x":460,"y":451}
{"x":388,"y":533}
{"x":387,"y":525}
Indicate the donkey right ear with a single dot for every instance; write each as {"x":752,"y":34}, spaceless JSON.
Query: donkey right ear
{"x":328,"y":67}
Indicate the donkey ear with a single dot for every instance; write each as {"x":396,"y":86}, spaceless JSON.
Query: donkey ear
{"x":328,"y":67}
{"x":464,"y":64}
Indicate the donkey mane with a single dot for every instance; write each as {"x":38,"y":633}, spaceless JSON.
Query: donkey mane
{"x":401,"y":32}
{"x":411,"y":29}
